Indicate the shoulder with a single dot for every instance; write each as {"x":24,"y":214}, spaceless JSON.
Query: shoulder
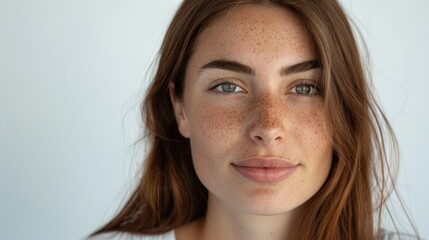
{"x":127,"y":236}
{"x":387,"y":235}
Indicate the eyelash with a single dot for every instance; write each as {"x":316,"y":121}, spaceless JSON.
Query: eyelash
{"x":314,"y":91}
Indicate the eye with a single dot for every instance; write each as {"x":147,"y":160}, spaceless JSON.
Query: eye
{"x":228,"y":87}
{"x":305,"y":89}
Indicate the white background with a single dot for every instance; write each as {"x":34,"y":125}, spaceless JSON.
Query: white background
{"x":71,"y":79}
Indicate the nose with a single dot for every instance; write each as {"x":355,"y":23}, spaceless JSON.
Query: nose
{"x":268,"y":121}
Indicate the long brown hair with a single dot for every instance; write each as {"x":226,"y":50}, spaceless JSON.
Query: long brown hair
{"x":170,"y":194}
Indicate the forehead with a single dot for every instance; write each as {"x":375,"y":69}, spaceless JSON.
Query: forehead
{"x":253,"y":33}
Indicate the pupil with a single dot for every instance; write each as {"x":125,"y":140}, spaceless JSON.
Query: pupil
{"x":228,"y":87}
{"x":303,"y":89}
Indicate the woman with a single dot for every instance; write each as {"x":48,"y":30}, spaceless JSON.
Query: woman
{"x":262,"y":126}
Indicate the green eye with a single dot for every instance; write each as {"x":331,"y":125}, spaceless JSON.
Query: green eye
{"x":305,"y":89}
{"x":228,"y":87}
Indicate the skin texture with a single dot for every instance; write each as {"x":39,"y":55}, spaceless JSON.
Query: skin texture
{"x":264,"y":116}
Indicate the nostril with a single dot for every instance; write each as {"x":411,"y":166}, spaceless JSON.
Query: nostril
{"x":267,"y":138}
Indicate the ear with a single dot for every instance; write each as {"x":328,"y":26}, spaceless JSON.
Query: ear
{"x":179,"y":112}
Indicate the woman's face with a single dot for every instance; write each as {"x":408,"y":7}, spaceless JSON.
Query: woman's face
{"x":253,"y":112}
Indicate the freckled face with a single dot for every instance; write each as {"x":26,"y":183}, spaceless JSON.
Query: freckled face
{"x":263,"y":109}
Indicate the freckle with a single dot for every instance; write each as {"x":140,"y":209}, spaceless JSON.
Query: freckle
{"x":261,"y":192}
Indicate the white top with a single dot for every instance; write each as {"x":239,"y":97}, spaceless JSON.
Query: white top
{"x":385,"y":235}
{"x":126,"y":236}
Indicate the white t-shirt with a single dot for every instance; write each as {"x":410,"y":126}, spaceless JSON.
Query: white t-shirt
{"x":385,"y":235}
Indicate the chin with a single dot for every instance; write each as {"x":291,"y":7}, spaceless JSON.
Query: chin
{"x":268,"y":207}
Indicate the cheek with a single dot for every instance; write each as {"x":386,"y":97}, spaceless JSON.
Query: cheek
{"x":215,"y":131}
{"x":311,"y":128}
{"x":317,"y":132}
{"x":319,"y":146}
{"x":313,"y":139}
{"x":213,"y":122}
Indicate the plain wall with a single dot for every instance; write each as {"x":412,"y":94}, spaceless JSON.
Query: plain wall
{"x":71,"y":78}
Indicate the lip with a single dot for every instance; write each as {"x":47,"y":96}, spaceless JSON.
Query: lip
{"x":265,"y":170}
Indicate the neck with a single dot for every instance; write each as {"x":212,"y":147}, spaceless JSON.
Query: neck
{"x":230,"y":223}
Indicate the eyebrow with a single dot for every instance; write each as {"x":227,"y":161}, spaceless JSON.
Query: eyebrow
{"x":242,"y":68}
